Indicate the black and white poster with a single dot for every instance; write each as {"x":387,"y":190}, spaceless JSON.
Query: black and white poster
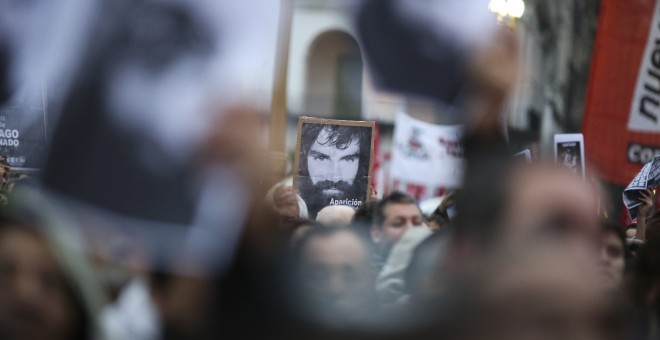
{"x":569,"y":152}
{"x":23,"y":134}
{"x":333,"y":162}
{"x":647,"y":178}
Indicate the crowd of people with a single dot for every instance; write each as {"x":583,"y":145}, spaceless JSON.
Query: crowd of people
{"x":520,"y":251}
{"x":539,"y":263}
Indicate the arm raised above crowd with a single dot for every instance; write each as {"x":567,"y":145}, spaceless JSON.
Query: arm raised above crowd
{"x":646,"y":197}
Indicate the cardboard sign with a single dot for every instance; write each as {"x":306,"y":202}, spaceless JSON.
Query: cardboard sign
{"x":23,"y":135}
{"x":333,"y":162}
{"x":569,"y":152}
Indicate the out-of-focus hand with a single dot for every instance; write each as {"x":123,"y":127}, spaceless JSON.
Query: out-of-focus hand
{"x":286,"y":202}
{"x":494,"y":73}
{"x":497,"y":68}
{"x":236,"y":141}
{"x":646,"y":197}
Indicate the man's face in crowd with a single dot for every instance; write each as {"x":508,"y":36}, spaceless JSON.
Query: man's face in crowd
{"x":331,"y":169}
{"x":399,"y":217}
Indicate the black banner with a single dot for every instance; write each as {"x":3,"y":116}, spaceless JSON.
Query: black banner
{"x":23,"y":135}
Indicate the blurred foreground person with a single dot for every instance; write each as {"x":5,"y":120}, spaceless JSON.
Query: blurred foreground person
{"x":391,"y":284}
{"x":38,"y":297}
{"x":363,"y":221}
{"x":332,"y":267}
{"x":541,"y":203}
{"x":544,"y":290}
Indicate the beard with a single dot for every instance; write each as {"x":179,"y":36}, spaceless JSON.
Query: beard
{"x":317,"y":198}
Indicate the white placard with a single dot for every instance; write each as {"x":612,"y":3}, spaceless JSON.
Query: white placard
{"x":569,"y":152}
{"x":427,"y":159}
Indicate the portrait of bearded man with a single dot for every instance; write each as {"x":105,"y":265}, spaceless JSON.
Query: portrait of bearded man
{"x":333,"y":165}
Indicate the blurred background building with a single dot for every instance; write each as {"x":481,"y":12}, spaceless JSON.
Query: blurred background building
{"x":327,"y":75}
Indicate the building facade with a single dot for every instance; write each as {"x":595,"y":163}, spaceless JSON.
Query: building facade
{"x":328,"y":78}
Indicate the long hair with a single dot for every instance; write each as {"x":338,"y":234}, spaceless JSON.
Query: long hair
{"x":339,"y":136}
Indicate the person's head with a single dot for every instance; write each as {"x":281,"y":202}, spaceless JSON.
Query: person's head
{"x":37,"y":301}
{"x":529,"y":202}
{"x":613,"y":254}
{"x":333,"y":161}
{"x":335,"y":215}
{"x":300,"y":228}
{"x":425,"y":275}
{"x":547,"y":202}
{"x":394,"y":214}
{"x":542,"y":290}
{"x":333,"y":268}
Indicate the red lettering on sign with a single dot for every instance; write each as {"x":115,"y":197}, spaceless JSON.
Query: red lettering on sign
{"x":441,"y":191}
{"x":415,"y":190}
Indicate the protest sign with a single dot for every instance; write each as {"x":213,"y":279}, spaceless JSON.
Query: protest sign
{"x":22,"y":135}
{"x":648,"y":178}
{"x":621,"y":125}
{"x":427,"y":159}
{"x":569,"y":152}
{"x":333,"y":162}
{"x":131,"y":126}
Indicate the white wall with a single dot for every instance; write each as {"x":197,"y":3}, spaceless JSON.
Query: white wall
{"x":308,"y":24}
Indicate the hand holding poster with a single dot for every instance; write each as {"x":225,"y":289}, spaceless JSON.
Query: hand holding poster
{"x":647,"y":178}
{"x":333,"y":162}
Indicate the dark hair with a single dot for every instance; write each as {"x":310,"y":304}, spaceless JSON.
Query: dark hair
{"x":612,"y":227}
{"x":339,"y":136}
{"x":395,"y":197}
{"x":363,"y":219}
{"x":365,"y":213}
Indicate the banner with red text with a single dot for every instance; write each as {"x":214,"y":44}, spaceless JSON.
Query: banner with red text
{"x":621,"y":123}
{"x":427,"y":159}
